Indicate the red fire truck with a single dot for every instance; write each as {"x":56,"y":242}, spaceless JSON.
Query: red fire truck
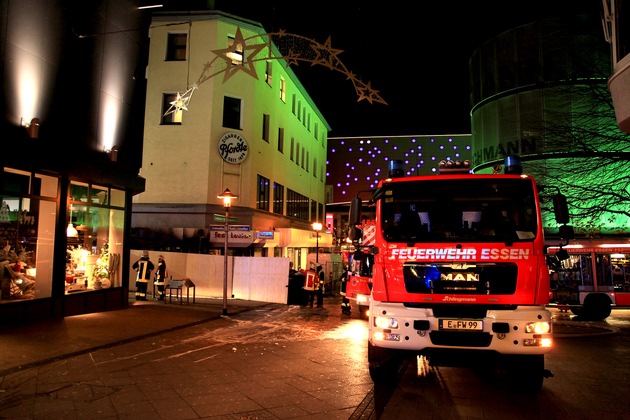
{"x":358,"y":283}
{"x":460,"y":274}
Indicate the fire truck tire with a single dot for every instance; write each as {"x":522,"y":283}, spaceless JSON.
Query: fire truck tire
{"x":528,"y":372}
{"x":383,"y":364}
{"x":597,"y":306}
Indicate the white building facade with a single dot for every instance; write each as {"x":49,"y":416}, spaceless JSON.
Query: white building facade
{"x":225,"y":111}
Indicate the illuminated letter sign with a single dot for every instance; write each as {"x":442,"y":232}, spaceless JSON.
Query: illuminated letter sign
{"x":233,"y":148}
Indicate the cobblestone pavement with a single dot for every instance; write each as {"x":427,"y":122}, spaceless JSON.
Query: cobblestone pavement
{"x":270,"y":361}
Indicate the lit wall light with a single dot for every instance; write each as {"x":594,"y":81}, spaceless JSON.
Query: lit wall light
{"x":32,"y":127}
{"x":112,"y":154}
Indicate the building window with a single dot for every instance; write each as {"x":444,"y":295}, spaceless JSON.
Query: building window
{"x":302,"y":158}
{"x":297,"y":205}
{"x":28,"y":220}
{"x":314,"y":211}
{"x":237,"y":55}
{"x":231,"y":112}
{"x":97,"y":213}
{"x":283,"y":89}
{"x":262,"y":200}
{"x":281,"y":140}
{"x":169,"y":113}
{"x":278,"y":198}
{"x":316,"y":131}
{"x":293,"y":104}
{"x":292,"y":151}
{"x":265,"y":127}
{"x":176,"y":47}
{"x":315,"y":167}
{"x":308,"y":154}
{"x":268,"y":72}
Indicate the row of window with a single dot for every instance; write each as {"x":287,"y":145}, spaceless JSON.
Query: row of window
{"x":298,"y":205}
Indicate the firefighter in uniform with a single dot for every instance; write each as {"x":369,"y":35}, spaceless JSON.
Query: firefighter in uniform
{"x":160,"y":277}
{"x":144,"y":267}
{"x":345,"y":302}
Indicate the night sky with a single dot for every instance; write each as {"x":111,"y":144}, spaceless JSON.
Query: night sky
{"x":417,"y":59}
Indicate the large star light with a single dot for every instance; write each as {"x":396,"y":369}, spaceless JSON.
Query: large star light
{"x":290,"y":48}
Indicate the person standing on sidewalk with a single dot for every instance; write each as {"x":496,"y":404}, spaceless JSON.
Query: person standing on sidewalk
{"x":160,"y":277}
{"x":144,"y":266}
{"x":320,"y":286}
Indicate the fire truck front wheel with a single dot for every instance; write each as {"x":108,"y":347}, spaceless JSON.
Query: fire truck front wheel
{"x":384,"y":364}
{"x":528,"y":372}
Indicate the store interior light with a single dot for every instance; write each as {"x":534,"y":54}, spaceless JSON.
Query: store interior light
{"x":71,"y":231}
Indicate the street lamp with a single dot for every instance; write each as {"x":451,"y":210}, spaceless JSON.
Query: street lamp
{"x":317,"y":227}
{"x":227,"y":197}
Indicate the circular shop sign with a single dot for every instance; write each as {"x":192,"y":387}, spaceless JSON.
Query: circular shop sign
{"x":233,"y":148}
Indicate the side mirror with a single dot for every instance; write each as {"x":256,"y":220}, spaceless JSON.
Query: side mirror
{"x":562,"y":254}
{"x":561,"y":209}
{"x":354,"y":216}
{"x":355,"y":234}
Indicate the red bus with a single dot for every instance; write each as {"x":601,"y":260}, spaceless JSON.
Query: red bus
{"x":590,"y":278}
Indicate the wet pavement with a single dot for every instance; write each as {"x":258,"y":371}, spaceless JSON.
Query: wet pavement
{"x":271,"y":361}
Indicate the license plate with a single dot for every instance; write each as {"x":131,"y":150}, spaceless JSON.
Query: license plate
{"x":461,"y":324}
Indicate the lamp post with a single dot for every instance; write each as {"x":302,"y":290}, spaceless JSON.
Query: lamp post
{"x":227,"y":197}
{"x":317,"y":227}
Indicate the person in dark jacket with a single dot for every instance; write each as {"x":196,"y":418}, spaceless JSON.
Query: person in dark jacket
{"x":160,"y":277}
{"x":143,"y":267}
{"x":320,"y":286}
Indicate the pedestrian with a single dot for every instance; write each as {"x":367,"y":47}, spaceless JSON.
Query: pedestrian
{"x":320,"y":286}
{"x":144,"y":266}
{"x":310,"y":286}
{"x":160,"y":277}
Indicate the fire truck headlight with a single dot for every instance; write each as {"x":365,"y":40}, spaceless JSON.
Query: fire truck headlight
{"x":385,"y":322}
{"x":538,"y":327}
{"x":362,"y":299}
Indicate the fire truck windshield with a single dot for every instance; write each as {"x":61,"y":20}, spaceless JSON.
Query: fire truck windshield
{"x":462,"y":210}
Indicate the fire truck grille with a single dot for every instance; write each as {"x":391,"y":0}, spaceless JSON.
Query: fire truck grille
{"x":463,"y":279}
{"x":459,"y":338}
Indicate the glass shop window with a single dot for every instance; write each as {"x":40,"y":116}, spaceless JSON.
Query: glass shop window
{"x":95,"y":237}
{"x":28,"y":215}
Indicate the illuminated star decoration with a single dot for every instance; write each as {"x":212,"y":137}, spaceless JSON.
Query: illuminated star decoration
{"x":290,"y":48}
{"x":181,"y":101}
{"x":326,"y":54}
{"x":239,"y":46}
